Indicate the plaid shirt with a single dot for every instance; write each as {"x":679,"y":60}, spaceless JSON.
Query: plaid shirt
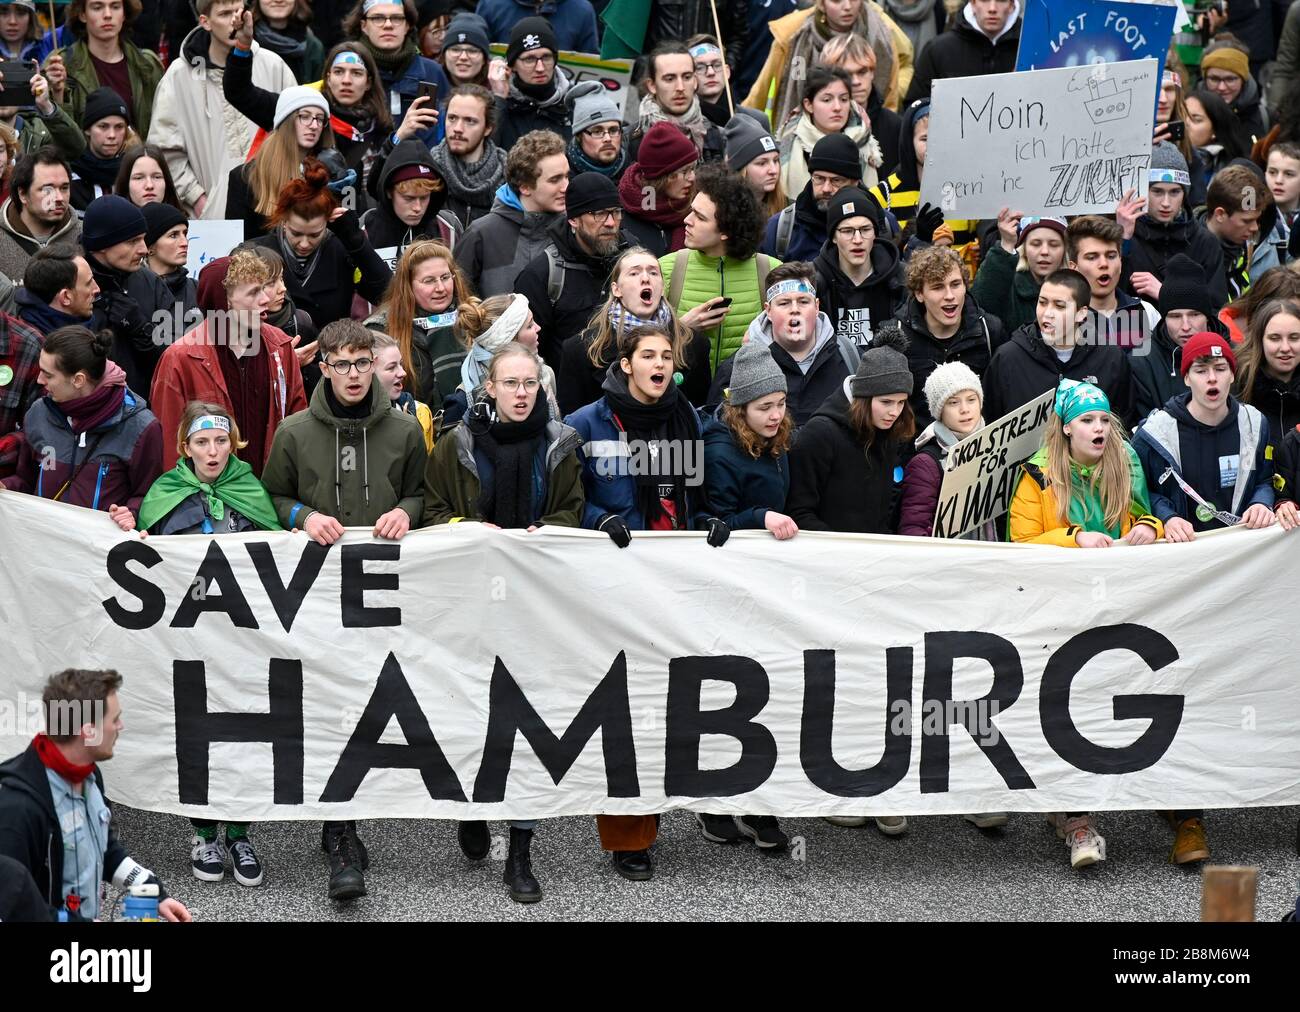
{"x":20,"y":352}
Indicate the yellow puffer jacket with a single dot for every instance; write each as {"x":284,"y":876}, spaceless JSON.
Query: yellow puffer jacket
{"x":778,"y":59}
{"x":707,"y":278}
{"x":1036,"y":518}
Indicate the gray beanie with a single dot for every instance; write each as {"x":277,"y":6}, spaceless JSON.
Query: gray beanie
{"x":884,"y":368}
{"x":747,"y":138}
{"x":591,"y":105}
{"x":754,"y":374}
{"x":1169,"y":166}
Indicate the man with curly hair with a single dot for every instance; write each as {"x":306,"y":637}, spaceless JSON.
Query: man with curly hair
{"x":718,"y":281}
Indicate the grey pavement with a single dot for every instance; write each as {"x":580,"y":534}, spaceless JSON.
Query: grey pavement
{"x":943,"y":869}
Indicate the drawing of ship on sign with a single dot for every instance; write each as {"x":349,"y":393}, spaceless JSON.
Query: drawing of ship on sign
{"x":1107,"y":104}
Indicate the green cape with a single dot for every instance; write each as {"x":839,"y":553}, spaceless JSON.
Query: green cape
{"x":235,"y":487}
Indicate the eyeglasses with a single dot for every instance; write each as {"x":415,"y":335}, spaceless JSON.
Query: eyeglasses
{"x":1218,"y":80}
{"x":442,"y":279}
{"x":342,"y":367}
{"x":311,"y":118}
{"x":544,"y":60}
{"x":385,"y":19}
{"x":511,"y":385}
{"x":712,"y":67}
{"x":600,"y":133}
{"x":852,"y":232}
{"x":601,"y":216}
{"x":464,"y":52}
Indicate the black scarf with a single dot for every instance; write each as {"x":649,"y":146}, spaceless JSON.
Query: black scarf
{"x":671,"y":419}
{"x":100,"y":171}
{"x":338,"y":409}
{"x":512,"y":448}
{"x":284,"y":318}
{"x":288,"y":43}
{"x":537,"y":92}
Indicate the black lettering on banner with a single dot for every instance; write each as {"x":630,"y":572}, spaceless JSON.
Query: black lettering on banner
{"x":685,"y":724}
{"x":818,"y":725}
{"x":606,"y":710}
{"x":287,"y":600}
{"x":153,"y":602}
{"x":356,"y":582}
{"x":214,"y":571}
{"x":391,"y":698}
{"x":197,"y":729}
{"x":941,"y":649}
{"x":1165,"y":711}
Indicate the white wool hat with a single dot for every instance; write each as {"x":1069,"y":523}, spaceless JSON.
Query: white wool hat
{"x":299,"y":97}
{"x":949,"y":379}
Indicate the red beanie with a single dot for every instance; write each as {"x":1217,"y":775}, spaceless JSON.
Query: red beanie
{"x":1207,"y":345}
{"x":211,"y":296}
{"x":664,"y":149}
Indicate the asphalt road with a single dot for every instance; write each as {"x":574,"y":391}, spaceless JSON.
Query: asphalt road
{"x":943,"y":869}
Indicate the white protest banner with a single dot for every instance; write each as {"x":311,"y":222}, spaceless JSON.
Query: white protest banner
{"x":615,"y":75}
{"x":1067,"y":141}
{"x":470,"y":673}
{"x":983,"y":470}
{"x":211,"y":240}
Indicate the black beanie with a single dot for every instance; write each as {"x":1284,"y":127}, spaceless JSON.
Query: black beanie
{"x":1184,"y":287}
{"x":100,"y":104}
{"x":530,"y":34}
{"x":467,"y":30}
{"x":851,"y":202}
{"x":108,"y":220}
{"x":590,"y":191}
{"x":838,"y":154}
{"x":158,"y":219}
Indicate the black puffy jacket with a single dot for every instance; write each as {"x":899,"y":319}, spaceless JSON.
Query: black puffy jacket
{"x":962,"y":51}
{"x":678,"y":20}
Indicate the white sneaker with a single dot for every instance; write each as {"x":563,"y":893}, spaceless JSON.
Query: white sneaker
{"x":1087,"y":846}
{"x":208,"y":859}
{"x":987,"y":820}
{"x":891,"y":825}
{"x":851,"y":821}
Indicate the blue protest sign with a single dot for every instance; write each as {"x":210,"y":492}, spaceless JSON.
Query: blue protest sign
{"x":1075,"y":33}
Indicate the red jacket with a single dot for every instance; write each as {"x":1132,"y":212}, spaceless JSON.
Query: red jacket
{"x":189,"y":371}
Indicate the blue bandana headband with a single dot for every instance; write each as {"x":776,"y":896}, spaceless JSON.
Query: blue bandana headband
{"x":1170,"y":176}
{"x":704,"y":49}
{"x":369,"y":5}
{"x":794,"y":286}
{"x":348,"y":56}
{"x":1074,"y":399}
{"x":205,"y":422}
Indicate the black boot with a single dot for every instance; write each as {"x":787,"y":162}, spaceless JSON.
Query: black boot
{"x":634,"y":865}
{"x":518,"y":875}
{"x":329,"y":827}
{"x":475,"y":841}
{"x":346,"y":880}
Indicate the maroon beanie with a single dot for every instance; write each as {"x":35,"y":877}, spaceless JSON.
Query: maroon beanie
{"x":664,"y":149}
{"x":212,"y":286}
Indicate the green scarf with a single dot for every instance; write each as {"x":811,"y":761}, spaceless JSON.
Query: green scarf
{"x":1086,"y":508}
{"x":394,"y":61}
{"x":235,"y":487}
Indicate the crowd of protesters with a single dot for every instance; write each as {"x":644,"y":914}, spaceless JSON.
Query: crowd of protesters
{"x":482,"y":277}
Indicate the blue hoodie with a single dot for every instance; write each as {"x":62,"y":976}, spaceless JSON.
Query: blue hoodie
{"x":573,"y":21}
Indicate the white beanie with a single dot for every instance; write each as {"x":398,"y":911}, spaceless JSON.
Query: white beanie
{"x":950,"y":378}
{"x":299,"y":97}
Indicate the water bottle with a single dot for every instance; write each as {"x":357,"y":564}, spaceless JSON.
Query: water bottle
{"x":141,"y":903}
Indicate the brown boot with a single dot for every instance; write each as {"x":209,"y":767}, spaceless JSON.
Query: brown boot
{"x":1189,"y":843}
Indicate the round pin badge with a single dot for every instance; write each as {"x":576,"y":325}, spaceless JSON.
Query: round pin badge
{"x":6,"y":375}
{"x":1204,"y":513}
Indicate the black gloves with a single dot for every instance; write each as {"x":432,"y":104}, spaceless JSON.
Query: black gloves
{"x":927,"y":220}
{"x":718,"y":532}
{"x":616,"y":527}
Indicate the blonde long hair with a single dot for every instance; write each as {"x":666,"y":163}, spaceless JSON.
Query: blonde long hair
{"x":279,"y":160}
{"x":1250,"y":356}
{"x":1111,"y":481}
{"x":605,"y":340}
